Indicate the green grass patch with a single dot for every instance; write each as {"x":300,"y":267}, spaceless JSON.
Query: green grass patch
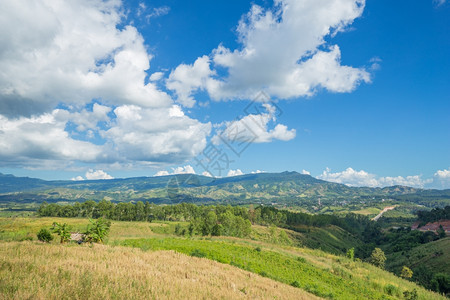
{"x":336,"y":283}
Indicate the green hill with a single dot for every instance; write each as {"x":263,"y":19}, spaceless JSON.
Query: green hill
{"x":282,"y":189}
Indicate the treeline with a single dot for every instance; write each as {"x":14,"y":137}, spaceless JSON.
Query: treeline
{"x":434,"y":215}
{"x":230,"y":220}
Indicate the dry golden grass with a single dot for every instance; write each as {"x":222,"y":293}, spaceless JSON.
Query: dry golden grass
{"x":32,"y":270}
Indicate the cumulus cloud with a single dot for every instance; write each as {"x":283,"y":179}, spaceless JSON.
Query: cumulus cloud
{"x":284,"y":52}
{"x":78,"y":178}
{"x":156,"y":135}
{"x":352,"y":177}
{"x":188,"y":169}
{"x":71,"y":53}
{"x":257,"y":172}
{"x":207,"y":174}
{"x":304,"y":172}
{"x":254,"y":128}
{"x":441,"y":178}
{"x":36,"y":141}
{"x":186,"y":79}
{"x":67,"y":55}
{"x":236,"y":172}
{"x":97,"y":174}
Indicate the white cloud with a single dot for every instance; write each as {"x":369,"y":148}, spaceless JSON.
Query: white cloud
{"x":254,"y":128}
{"x":304,"y":172}
{"x":442,"y":179}
{"x":186,"y":79}
{"x":207,"y":174}
{"x":156,"y":135}
{"x":78,"y":178}
{"x":284,"y":52}
{"x":188,"y":169}
{"x":97,"y":174}
{"x":37,"y":141}
{"x":156,"y":76}
{"x":257,"y":172}
{"x":157,"y":12}
{"x":89,"y":119}
{"x":71,"y":53}
{"x":352,"y":177}
{"x":236,"y":172}
{"x":162,"y":173}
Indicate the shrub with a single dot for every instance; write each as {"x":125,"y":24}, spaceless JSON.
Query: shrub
{"x":301,"y":259}
{"x":410,"y":295}
{"x":63,"y":230}
{"x":351,"y":253}
{"x":198,"y":253}
{"x":391,"y":290}
{"x":44,"y":235}
{"x":295,"y":284}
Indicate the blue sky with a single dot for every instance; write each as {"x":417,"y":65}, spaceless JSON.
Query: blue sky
{"x":350,"y":91}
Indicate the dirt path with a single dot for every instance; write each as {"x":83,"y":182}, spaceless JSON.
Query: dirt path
{"x":382,"y":212}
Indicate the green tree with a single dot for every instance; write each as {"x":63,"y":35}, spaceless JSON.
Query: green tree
{"x":351,"y":253}
{"x":441,"y":232}
{"x":209,"y":222}
{"x":406,"y":272}
{"x":377,"y":258}
{"x":441,"y":283}
{"x":63,"y":230}
{"x":44,"y":235}
{"x":97,"y":231}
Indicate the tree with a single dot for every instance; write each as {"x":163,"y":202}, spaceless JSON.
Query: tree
{"x":351,"y":253}
{"x":441,"y":232}
{"x":406,"y":272}
{"x":97,"y":231}
{"x":441,"y":283}
{"x":378,"y":258}
{"x":44,"y":235}
{"x":63,"y":230}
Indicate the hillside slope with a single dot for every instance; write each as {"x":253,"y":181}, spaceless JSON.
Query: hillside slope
{"x":41,"y":271}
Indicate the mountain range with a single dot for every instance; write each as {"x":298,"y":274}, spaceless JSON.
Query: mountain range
{"x":286,"y":188}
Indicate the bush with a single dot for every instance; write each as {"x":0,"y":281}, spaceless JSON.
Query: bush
{"x":44,"y":235}
{"x":410,"y":295}
{"x":301,"y":259}
{"x":198,"y":253}
{"x":351,"y":253}
{"x":391,"y":290}
{"x":295,"y":284}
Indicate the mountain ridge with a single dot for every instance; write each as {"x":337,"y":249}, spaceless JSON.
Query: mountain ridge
{"x":285,"y":188}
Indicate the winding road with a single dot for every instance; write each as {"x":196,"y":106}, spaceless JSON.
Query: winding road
{"x":382,"y":212}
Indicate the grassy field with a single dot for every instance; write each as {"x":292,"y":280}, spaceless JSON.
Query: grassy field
{"x":32,"y":270}
{"x":322,"y":274}
{"x":53,"y":270}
